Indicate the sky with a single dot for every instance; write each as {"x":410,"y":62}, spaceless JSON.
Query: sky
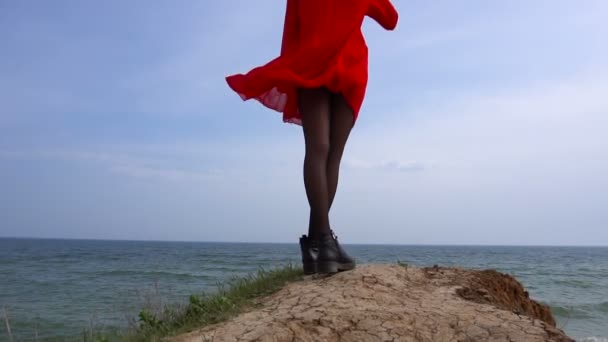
{"x":484,"y":122}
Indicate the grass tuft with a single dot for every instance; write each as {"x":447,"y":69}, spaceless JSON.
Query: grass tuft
{"x":231,"y":298}
{"x":7,"y":324}
{"x":402,"y":264}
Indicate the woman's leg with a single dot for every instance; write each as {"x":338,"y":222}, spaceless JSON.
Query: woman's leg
{"x":314,"y":104}
{"x":342,"y":121}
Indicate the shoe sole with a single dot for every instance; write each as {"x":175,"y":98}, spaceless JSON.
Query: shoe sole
{"x":333,"y":267}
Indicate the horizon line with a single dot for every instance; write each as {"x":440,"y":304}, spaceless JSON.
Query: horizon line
{"x":288,"y":243}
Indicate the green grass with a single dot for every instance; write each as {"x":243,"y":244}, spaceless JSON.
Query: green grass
{"x":231,"y":298}
{"x":402,"y":264}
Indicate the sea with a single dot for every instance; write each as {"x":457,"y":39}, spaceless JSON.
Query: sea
{"x":57,"y":289}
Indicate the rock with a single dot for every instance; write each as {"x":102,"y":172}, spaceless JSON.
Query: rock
{"x":393,"y":303}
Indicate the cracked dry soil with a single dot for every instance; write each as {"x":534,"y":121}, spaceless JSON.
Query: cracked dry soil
{"x":393,"y":303}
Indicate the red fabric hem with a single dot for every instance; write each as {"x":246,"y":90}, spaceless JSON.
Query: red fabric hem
{"x":272,"y":99}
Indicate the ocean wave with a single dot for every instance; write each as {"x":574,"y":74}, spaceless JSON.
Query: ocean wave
{"x":131,"y":273}
{"x":602,"y":307}
{"x":575,"y":283}
{"x":570,"y":311}
{"x":594,"y":339}
{"x":580,"y":310}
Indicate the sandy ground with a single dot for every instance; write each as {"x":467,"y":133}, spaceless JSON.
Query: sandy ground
{"x":393,"y":303}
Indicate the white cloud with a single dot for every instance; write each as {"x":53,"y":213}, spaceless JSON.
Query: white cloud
{"x":132,"y":165}
{"x":140,"y":171}
{"x":389,"y":165}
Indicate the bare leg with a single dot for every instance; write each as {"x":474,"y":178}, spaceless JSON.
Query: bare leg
{"x":342,"y":121}
{"x":314,"y":104}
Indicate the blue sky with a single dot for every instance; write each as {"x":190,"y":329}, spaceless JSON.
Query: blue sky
{"x":484,"y":123}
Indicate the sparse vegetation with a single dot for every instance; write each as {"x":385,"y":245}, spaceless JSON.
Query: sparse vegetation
{"x":231,"y":298}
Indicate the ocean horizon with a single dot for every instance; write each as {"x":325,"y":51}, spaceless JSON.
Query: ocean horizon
{"x":291,"y":243}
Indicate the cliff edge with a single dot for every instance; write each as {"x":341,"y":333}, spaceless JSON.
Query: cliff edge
{"x":393,"y":303}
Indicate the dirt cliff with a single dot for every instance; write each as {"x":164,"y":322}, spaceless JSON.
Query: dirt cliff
{"x":393,"y":303}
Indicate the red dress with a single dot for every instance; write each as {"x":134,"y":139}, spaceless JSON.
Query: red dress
{"x":322,"y":46}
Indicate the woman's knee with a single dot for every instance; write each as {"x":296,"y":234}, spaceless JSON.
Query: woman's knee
{"x":318,"y":148}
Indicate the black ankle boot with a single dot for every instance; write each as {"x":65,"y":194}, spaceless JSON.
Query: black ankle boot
{"x":332,"y":257}
{"x":310,"y":251}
